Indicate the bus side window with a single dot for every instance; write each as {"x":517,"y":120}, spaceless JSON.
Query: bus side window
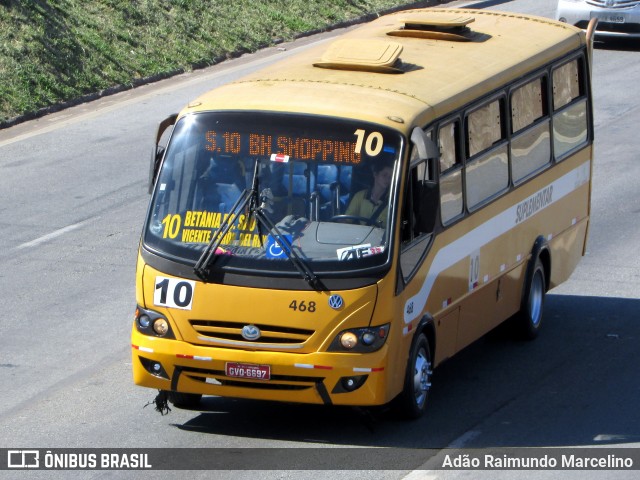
{"x":450,"y":172}
{"x":531,"y":141}
{"x":571,"y":112}
{"x":566,"y":84}
{"x":487,"y":167}
{"x":485,"y":127}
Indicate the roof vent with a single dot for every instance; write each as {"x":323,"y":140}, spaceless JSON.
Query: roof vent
{"x":452,"y":28}
{"x":362,"y":55}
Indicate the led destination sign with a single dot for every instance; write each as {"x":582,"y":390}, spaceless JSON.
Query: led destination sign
{"x":300,"y":148}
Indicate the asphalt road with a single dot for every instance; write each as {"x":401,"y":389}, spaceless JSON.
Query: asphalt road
{"x":73,"y":197}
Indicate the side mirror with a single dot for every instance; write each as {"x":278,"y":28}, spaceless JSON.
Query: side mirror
{"x":158,"y":151}
{"x":427,"y":149}
{"x":426,"y":200}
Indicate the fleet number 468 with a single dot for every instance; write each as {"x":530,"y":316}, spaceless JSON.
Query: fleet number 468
{"x":302,"y":306}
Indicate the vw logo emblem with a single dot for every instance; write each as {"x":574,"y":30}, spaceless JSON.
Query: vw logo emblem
{"x":250,"y":332}
{"x":336,"y":302}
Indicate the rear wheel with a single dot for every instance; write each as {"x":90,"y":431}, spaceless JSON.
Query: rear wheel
{"x":529,"y":318}
{"x":185,"y":400}
{"x":412,"y":402}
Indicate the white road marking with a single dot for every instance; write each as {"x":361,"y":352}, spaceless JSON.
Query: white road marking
{"x":50,"y":236}
{"x":419,"y":475}
{"x":458,"y":443}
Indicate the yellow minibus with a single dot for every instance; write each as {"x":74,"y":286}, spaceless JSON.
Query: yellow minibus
{"x":331,"y":228}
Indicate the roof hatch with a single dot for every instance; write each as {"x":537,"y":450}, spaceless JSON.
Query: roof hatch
{"x":362,"y":55}
{"x":438,"y":27}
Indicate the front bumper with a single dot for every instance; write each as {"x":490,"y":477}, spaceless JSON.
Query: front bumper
{"x":315,"y":378}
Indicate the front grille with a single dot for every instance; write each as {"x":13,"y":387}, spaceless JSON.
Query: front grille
{"x":223,"y":331}
{"x":287,"y":382}
{"x":614,"y":3}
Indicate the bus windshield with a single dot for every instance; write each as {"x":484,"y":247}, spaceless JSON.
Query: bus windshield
{"x":263,"y":188}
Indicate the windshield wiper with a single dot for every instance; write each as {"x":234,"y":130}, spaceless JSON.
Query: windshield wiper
{"x":201,"y":267}
{"x":257,"y":204}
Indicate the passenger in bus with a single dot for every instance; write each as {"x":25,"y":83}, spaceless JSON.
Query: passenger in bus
{"x":372,"y":203}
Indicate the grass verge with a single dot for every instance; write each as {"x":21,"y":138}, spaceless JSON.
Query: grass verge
{"x":54,"y":51}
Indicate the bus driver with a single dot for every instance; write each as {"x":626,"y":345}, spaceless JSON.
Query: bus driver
{"x":372,"y":203}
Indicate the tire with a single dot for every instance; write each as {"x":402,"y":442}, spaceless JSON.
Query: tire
{"x":412,"y":402}
{"x":529,"y":318}
{"x":185,"y":400}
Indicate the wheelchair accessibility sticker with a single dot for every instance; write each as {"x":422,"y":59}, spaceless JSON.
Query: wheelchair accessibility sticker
{"x":275,"y":249}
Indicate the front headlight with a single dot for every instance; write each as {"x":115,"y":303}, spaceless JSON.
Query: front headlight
{"x":152,"y":323}
{"x":360,"y":340}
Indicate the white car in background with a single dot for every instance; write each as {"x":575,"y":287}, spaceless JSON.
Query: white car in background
{"x":615,"y":17}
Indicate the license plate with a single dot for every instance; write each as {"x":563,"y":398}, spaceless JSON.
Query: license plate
{"x":248,"y":370}
{"x":610,"y":17}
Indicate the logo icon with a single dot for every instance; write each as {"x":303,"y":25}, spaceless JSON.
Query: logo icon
{"x":336,"y":302}
{"x":23,"y":459}
{"x":250,"y":332}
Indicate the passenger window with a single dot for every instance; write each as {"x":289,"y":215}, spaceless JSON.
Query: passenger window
{"x":451,"y":201}
{"x":487,"y":170}
{"x":448,"y":150}
{"x":484,"y":128}
{"x":531,"y":143}
{"x":487,"y":176}
{"x":566,"y":84}
{"x":527,"y":105}
{"x":571,"y":111}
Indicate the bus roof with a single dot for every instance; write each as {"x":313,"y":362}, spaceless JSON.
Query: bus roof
{"x":447,"y":57}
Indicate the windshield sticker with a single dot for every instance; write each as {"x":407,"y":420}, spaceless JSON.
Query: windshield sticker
{"x":358,"y":251}
{"x":200,"y":226}
{"x":275,"y":249}
{"x":280,"y":158}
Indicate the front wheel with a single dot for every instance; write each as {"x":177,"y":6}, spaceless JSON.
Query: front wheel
{"x":529,"y":318}
{"x":412,"y":402}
